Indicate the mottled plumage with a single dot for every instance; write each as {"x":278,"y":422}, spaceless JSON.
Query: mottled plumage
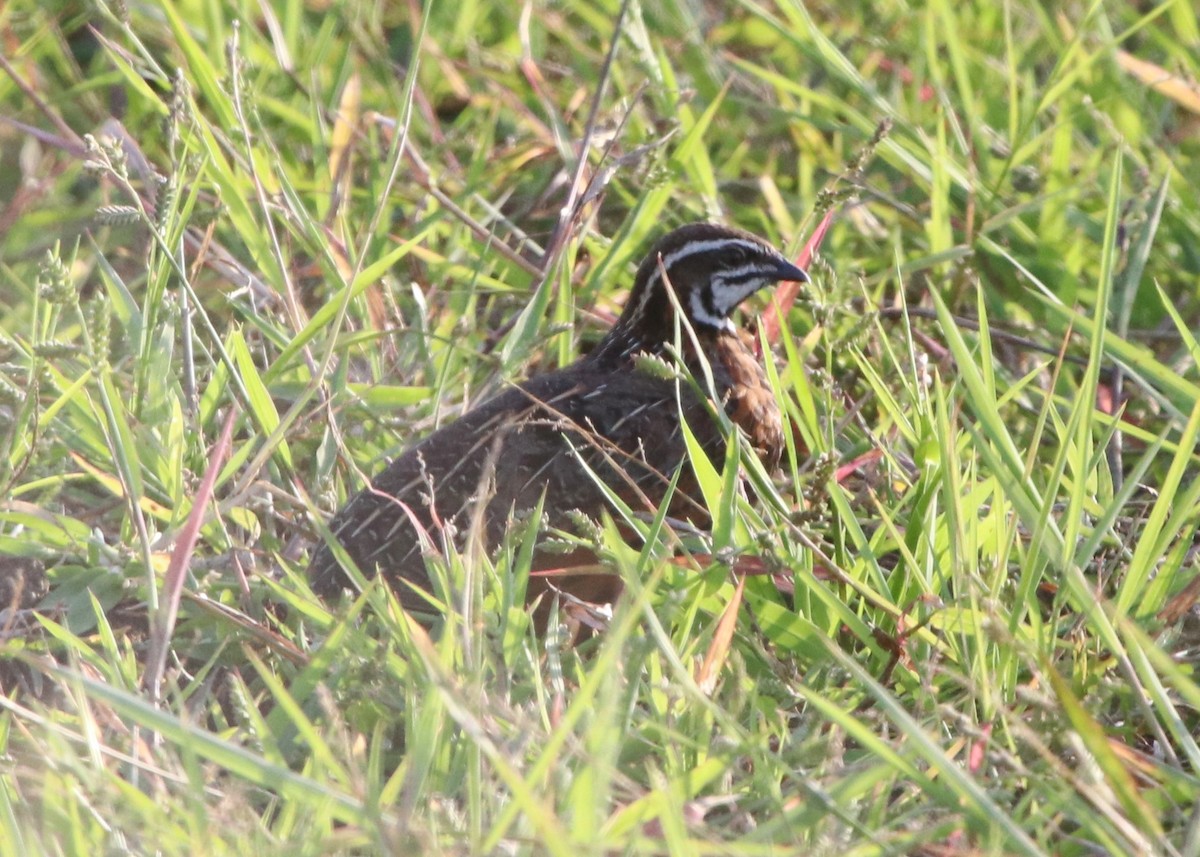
{"x":619,"y":421}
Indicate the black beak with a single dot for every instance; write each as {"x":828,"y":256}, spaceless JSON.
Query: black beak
{"x":787,"y":272}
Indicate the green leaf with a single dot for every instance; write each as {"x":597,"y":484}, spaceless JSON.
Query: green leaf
{"x":262,"y":406}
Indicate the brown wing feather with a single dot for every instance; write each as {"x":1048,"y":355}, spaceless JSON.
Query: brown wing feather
{"x":506,"y":452}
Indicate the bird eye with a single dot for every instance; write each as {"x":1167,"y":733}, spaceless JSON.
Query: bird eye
{"x":739,"y":256}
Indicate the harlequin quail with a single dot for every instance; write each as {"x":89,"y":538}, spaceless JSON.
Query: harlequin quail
{"x":602,"y":422}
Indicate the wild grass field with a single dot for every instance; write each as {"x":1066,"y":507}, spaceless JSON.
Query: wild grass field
{"x":251,"y":251}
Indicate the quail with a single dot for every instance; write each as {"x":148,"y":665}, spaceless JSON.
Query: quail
{"x":602,"y":425}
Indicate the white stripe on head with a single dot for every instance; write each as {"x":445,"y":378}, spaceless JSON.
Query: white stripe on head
{"x":691,"y":248}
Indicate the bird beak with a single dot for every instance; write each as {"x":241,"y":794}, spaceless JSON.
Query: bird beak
{"x":789,"y":273}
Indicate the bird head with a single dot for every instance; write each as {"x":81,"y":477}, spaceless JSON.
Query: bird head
{"x":711,"y":269}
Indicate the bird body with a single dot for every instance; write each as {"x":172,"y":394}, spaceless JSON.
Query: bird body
{"x":601,"y":421}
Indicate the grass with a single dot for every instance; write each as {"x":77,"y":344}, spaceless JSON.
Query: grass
{"x":247,"y":255}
